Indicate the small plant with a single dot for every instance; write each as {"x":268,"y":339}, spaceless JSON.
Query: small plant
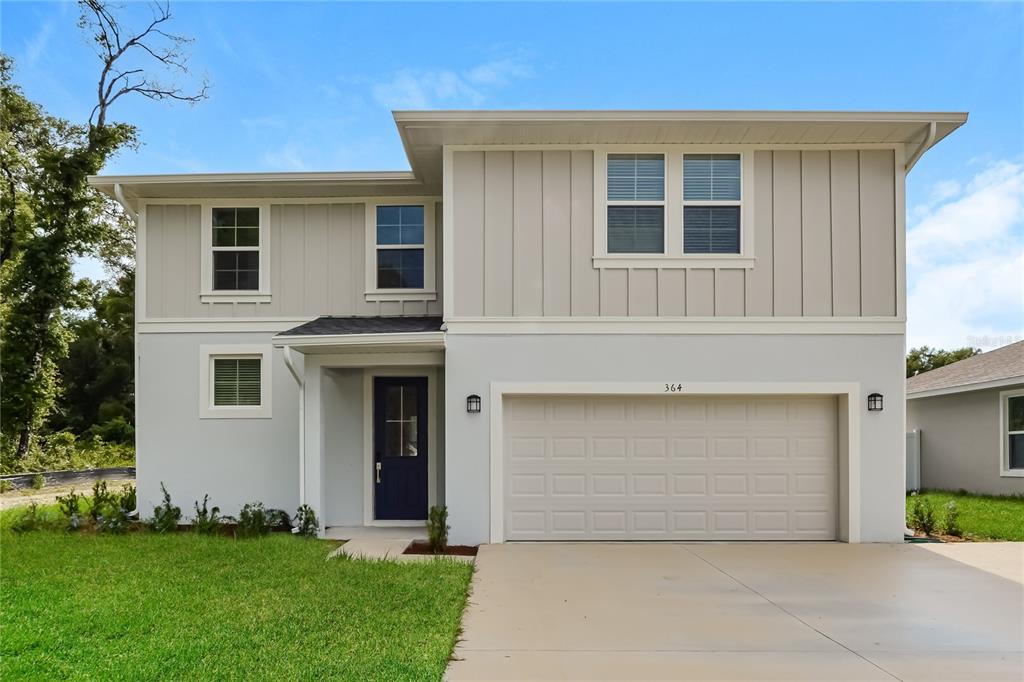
{"x":206,"y":520}
{"x":253,"y":520}
{"x":165,"y":515}
{"x":38,"y":481}
{"x":29,"y":520}
{"x":437,"y":529}
{"x":306,"y":524}
{"x":101,"y":498}
{"x":5,"y":485}
{"x":951,"y":520}
{"x":128,"y":499}
{"x":71,"y":507}
{"x":922,"y":515}
{"x":112,"y":518}
{"x":279,"y":521}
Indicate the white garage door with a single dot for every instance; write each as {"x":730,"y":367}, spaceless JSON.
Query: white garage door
{"x":670,"y":468}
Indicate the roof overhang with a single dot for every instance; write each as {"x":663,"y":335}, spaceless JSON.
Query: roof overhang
{"x":361,"y":343}
{"x":425,"y":134}
{"x":964,"y":388}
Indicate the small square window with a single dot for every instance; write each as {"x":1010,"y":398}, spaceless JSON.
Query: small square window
{"x":237,"y":382}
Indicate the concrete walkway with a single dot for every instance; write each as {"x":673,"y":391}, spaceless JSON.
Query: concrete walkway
{"x":745,"y":611}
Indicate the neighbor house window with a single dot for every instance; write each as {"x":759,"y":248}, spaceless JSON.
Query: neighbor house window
{"x":636,"y":203}
{"x":1013,"y":434}
{"x":234,"y":381}
{"x":236,"y":249}
{"x":400,"y":247}
{"x":711,"y":203}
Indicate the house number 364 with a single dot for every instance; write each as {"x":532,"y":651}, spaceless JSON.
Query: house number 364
{"x":673,"y":388}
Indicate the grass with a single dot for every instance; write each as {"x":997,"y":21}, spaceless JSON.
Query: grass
{"x":181,"y":606}
{"x":983,"y":517}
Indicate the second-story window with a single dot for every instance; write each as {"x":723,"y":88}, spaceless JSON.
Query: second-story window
{"x":400,"y":247}
{"x":636,"y":203}
{"x":711,"y":203}
{"x":236,"y":249}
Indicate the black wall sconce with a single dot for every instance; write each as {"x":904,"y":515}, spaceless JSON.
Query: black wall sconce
{"x":473,"y":404}
{"x":875,"y":402}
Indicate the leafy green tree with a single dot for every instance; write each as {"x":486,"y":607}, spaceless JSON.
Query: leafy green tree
{"x":51,"y":215}
{"x":925,"y":358}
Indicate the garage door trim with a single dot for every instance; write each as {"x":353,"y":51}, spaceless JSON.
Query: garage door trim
{"x":848,"y":393}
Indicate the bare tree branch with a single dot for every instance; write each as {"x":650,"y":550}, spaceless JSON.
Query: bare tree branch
{"x":114,"y":44}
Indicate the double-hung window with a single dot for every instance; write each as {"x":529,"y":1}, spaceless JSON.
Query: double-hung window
{"x":711,"y":203}
{"x":1012,"y":435}
{"x":636,"y":203}
{"x":400,"y":247}
{"x":236,"y":248}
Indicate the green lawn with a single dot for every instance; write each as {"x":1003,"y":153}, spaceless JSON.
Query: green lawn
{"x":983,"y":517}
{"x":147,"y":606}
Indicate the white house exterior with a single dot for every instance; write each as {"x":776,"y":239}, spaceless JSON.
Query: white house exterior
{"x":672,"y":322}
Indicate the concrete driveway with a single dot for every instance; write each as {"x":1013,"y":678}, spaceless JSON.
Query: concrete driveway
{"x":745,"y":611}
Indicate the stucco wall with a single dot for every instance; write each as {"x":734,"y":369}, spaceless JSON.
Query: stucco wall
{"x":960,"y":442}
{"x":824,"y":225}
{"x":342,"y":405}
{"x":234,"y":460}
{"x":874,"y":361}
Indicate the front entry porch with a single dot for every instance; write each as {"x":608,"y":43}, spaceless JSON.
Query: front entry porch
{"x":372,"y":412}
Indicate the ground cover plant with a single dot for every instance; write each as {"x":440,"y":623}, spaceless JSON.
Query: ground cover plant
{"x":976,"y":517}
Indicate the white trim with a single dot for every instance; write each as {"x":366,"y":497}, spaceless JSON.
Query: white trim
{"x":277,"y":200}
{"x":980,"y":386}
{"x":375,"y":340}
{"x":673,"y":255}
{"x":1004,"y":434}
{"x":675,"y":325}
{"x":352,"y":360}
{"x":447,"y":229}
{"x":428,"y":292}
{"x":209,"y":325}
{"x":851,"y":390}
{"x":430,"y":373}
{"x":209,"y":353}
{"x":207,"y":294}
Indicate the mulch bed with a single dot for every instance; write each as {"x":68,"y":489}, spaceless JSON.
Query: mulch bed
{"x":420,"y":547}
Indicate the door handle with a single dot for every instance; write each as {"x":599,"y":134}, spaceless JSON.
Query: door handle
{"x":378,"y":472}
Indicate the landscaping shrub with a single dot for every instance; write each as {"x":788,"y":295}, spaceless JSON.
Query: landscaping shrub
{"x":437,"y":529}
{"x":306,"y":523}
{"x":70,"y":506}
{"x":38,"y":481}
{"x":101,"y":498}
{"x":5,"y":486}
{"x":922,"y":515}
{"x":951,"y":519}
{"x":278,"y":520}
{"x":64,"y":451}
{"x":253,"y":520}
{"x":112,"y":518}
{"x":165,"y":515}
{"x":128,"y":499}
{"x":206,"y":520}
{"x":29,"y":520}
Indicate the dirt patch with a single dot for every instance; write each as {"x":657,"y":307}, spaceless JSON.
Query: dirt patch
{"x":421,"y":547}
{"x":48,"y":494}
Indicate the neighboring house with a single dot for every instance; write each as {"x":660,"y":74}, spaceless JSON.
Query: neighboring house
{"x":562,"y":325}
{"x":970,"y":422}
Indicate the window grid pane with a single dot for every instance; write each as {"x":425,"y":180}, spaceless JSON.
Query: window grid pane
{"x":711,"y":229}
{"x":236,"y":270}
{"x":400,"y":225}
{"x":636,"y":229}
{"x":636,"y":177}
{"x":237,"y":382}
{"x":1015,"y":413}
{"x":400,"y":268}
{"x":711,"y":177}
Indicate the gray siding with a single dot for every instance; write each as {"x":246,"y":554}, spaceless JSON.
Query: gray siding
{"x":317,"y":265}
{"x":960,"y":442}
{"x":825,"y":241}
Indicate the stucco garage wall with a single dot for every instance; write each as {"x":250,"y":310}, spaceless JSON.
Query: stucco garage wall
{"x":960,"y":442}
{"x":874,"y":361}
{"x":234,"y":460}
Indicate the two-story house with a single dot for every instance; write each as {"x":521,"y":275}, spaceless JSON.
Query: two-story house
{"x":580,"y":325}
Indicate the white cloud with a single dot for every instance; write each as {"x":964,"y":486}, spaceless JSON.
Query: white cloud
{"x":965,"y":256}
{"x":39,"y":43}
{"x":431,"y":88}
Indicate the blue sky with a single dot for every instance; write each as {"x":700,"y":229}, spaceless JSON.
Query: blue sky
{"x":309,"y":86}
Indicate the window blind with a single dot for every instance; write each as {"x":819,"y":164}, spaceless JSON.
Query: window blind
{"x":636,"y":177}
{"x":237,"y":382}
{"x":711,"y":177}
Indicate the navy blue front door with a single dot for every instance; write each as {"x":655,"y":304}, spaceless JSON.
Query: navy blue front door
{"x":400,"y":447}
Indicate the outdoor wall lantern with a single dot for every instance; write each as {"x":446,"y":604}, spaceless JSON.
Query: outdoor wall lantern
{"x":473,"y":404}
{"x":875,"y":402}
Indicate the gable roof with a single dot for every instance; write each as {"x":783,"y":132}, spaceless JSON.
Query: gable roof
{"x":425,"y":134}
{"x":999,"y":367}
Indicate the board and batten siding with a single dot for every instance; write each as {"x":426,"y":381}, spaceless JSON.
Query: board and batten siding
{"x":317,"y":263}
{"x":825,"y":241}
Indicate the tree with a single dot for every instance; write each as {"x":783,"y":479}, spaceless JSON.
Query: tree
{"x":925,"y":359}
{"x":51,"y":215}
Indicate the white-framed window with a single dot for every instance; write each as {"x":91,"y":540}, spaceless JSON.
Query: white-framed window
{"x":235,"y":381}
{"x":704,"y":215}
{"x":234,"y":262}
{"x":1011,"y":433}
{"x":400,"y":250}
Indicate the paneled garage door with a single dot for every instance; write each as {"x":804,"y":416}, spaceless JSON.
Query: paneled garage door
{"x":670,"y":468}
